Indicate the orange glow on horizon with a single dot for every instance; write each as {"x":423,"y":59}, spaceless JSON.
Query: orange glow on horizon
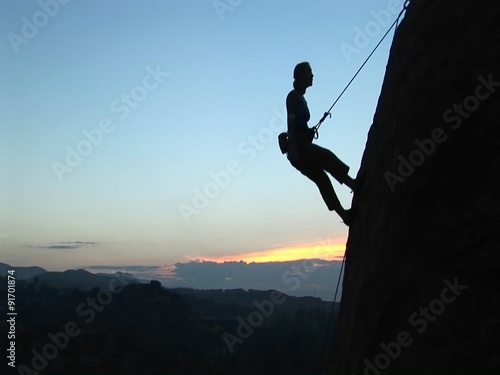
{"x":331,"y":251}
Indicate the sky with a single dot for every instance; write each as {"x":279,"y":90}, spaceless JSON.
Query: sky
{"x":144,"y":133}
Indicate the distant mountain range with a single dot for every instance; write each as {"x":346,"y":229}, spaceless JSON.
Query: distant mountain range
{"x":178,"y":331}
{"x":69,"y":279}
{"x":22,"y":273}
{"x":313,"y":277}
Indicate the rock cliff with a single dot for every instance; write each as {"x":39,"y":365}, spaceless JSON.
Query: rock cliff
{"x":421,"y":291}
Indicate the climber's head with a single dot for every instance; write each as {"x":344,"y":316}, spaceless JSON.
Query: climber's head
{"x":303,"y":76}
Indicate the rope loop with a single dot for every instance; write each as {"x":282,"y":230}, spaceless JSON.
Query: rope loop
{"x":316,"y":133}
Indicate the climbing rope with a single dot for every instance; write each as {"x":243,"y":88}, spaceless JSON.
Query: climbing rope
{"x":332,"y":311}
{"x":316,"y":127}
{"x":327,"y":113}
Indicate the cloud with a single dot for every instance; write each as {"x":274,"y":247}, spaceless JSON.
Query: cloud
{"x":79,"y":243}
{"x":316,"y":277}
{"x":65,"y":245}
{"x":298,"y":278}
{"x":141,"y":272}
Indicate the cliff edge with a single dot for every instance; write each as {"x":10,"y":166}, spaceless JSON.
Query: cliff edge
{"x":421,"y":291}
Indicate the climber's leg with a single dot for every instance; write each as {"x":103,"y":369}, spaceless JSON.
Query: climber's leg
{"x":328,"y":161}
{"x":351,"y":183}
{"x":320,"y":178}
{"x":346,"y":216}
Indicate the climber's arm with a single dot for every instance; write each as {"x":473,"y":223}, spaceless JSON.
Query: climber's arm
{"x":291,"y":110}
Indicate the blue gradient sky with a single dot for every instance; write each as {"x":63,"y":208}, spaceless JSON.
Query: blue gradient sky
{"x":228,"y":76}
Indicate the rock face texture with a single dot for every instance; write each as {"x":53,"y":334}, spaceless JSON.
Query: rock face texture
{"x":421,"y":291}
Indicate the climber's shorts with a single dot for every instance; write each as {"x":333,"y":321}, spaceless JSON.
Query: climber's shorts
{"x":313,"y":157}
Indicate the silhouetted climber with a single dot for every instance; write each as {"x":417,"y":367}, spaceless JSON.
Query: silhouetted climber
{"x":310,"y":159}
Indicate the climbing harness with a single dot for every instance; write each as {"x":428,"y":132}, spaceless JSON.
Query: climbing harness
{"x":283,"y":137}
{"x":316,"y":127}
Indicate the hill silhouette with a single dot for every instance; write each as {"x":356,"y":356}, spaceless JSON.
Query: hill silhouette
{"x":422,"y":270}
{"x":70,"y":279}
{"x":79,"y":279}
{"x":147,"y":329}
{"x":22,"y":273}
